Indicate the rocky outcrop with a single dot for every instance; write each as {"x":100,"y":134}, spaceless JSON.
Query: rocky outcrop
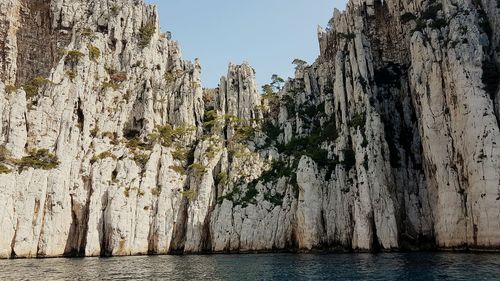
{"x":109,"y":145}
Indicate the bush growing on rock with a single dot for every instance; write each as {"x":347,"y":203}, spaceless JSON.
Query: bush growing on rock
{"x":222,"y":179}
{"x":275,"y":199}
{"x":71,"y":75}
{"x":4,"y":157}
{"x":267,"y":89}
{"x":102,"y":156}
{"x":38,"y":159}
{"x":197,"y":169}
{"x":110,"y":84}
{"x":94,"y":53}
{"x":166,"y":135}
{"x":136,"y":143}
{"x":141,"y":159}
{"x":73,"y":57}
{"x":189,"y":194}
{"x":349,"y":158}
{"x":407,"y":17}
{"x":4,"y":153}
{"x":178,"y":169}
{"x":169,"y":77}
{"x":180,"y":153}
{"x":87,"y":32}
{"x":432,"y":11}
{"x":346,"y":36}
{"x":33,"y":86}
{"x":299,"y":63}
{"x":4,"y":169}
{"x":358,"y":121}
{"x":9,"y":89}
{"x":146,"y":34}
{"x":156,"y":191}
{"x":277,"y":82}
{"x":272,"y":132}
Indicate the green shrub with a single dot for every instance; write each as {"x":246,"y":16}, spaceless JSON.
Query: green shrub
{"x":137,"y":143}
{"x":407,"y":17}
{"x":358,"y":121}
{"x":94,"y":53}
{"x":438,"y":23}
{"x":87,"y":32}
{"x":102,"y":156}
{"x":166,"y":135}
{"x":349,"y":158}
{"x":212,"y":151}
{"x":211,"y":120}
{"x":169,"y":77}
{"x":276,"y":199}
{"x":347,"y":36}
{"x":278,"y":170}
{"x":126,"y":192}
{"x":243,"y":133}
{"x":189,"y":194}
{"x":110,"y":84}
{"x":250,"y":194}
{"x":141,"y":159}
{"x":4,"y":169}
{"x":289,"y":103}
{"x":421,"y":25}
{"x":146,"y":34}
{"x":94,"y":132}
{"x":244,"y":199}
{"x":156,"y":191}
{"x":221,"y":179}
{"x":197,"y":169}
{"x":267,"y":90}
{"x":272,"y":132}
{"x":33,"y":86}
{"x":9,"y":89}
{"x":140,"y":193}
{"x":110,"y":135}
{"x":431,"y":12}
{"x":329,"y":131}
{"x":178,"y":169}
{"x":38,"y":159}
{"x":180,"y":153}
{"x":71,"y":75}
{"x":73,"y":57}
{"x":4,"y":153}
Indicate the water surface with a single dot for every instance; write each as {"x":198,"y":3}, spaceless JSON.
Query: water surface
{"x":387,"y":266}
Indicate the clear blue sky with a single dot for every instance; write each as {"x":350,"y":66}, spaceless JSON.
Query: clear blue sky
{"x":268,"y":34}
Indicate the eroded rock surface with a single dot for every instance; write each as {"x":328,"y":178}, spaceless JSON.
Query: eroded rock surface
{"x":109,"y":145}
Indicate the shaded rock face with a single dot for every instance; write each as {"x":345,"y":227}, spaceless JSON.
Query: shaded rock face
{"x":110,"y":146}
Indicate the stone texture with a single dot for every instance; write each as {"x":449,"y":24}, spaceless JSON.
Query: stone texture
{"x":389,"y":140}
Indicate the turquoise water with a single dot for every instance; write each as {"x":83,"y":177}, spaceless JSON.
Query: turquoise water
{"x":389,"y":266}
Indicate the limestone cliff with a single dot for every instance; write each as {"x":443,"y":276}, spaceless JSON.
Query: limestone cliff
{"x":109,"y":145}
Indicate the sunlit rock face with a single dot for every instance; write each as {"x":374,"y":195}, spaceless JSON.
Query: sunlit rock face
{"x":109,"y":145}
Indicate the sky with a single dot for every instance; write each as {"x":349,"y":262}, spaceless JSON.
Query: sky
{"x":268,"y":34}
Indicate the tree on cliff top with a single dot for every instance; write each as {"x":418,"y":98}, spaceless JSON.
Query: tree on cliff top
{"x":277,"y":82}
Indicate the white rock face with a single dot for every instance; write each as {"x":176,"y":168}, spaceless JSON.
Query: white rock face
{"x":310,"y":219}
{"x":109,"y":145}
